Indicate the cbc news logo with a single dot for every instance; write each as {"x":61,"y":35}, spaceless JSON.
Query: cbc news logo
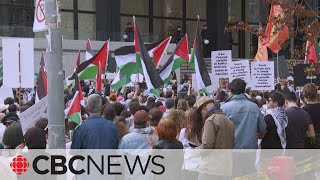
{"x":19,"y":164}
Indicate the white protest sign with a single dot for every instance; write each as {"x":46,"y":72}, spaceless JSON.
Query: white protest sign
{"x":220,"y":61}
{"x":262,"y":75}
{"x":13,"y":62}
{"x":39,"y":23}
{"x":239,"y":69}
{"x":29,"y":117}
{"x":5,"y":93}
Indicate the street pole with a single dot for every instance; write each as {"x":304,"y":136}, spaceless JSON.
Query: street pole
{"x":56,"y":124}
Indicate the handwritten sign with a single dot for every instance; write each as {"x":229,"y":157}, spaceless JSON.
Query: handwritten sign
{"x":29,"y":117}
{"x":262,"y":76}
{"x":239,"y":69}
{"x":220,"y":61}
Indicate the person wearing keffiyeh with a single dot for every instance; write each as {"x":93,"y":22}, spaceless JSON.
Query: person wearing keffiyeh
{"x":277,"y":121}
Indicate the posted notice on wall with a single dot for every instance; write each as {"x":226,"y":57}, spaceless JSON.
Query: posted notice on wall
{"x":220,"y":61}
{"x":262,"y":76}
{"x":239,"y":69}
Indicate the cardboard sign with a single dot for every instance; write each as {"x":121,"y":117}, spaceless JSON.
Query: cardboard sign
{"x":262,"y":76}
{"x":18,"y":56}
{"x":239,"y":69}
{"x":220,"y":61}
{"x":29,"y":117}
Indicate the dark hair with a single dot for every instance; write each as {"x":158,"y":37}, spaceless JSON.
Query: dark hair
{"x":221,"y":96}
{"x":159,"y":103}
{"x":13,"y":136}
{"x":35,"y":138}
{"x":237,"y":86}
{"x":132,"y":107}
{"x":140,"y":108}
{"x":183,"y":105}
{"x":118,"y":107}
{"x":125,"y":114}
{"x":42,"y":123}
{"x":310,"y":92}
{"x":151,"y":103}
{"x":194,"y":125}
{"x":121,"y":126}
{"x":109,"y":112}
{"x":12,"y":108}
{"x":169,"y":103}
{"x":169,"y":94}
{"x":191,"y":100}
{"x":156,"y":115}
{"x":254,"y":100}
{"x":10,"y":118}
{"x":277,"y":97}
{"x":8,"y":101}
{"x":291,"y":97}
{"x":167,"y":129}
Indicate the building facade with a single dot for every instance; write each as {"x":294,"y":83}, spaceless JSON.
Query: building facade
{"x":107,"y":19}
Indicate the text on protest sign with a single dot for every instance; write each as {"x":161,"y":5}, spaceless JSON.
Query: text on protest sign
{"x":29,"y":117}
{"x":239,"y":69}
{"x":220,"y":61}
{"x":262,"y":76}
{"x":39,"y":23}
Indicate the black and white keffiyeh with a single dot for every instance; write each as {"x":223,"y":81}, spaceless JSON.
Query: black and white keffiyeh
{"x":281,"y":121}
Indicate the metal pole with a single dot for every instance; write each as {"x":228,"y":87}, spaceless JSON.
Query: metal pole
{"x":56,"y":124}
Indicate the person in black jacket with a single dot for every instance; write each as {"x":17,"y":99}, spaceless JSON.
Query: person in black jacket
{"x":167,"y":133}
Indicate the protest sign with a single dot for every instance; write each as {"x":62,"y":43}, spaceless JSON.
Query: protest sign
{"x":29,"y":117}
{"x":5,"y":93}
{"x":18,"y":58}
{"x":262,"y":75}
{"x":220,"y":61}
{"x":239,"y":69}
{"x":39,"y":23}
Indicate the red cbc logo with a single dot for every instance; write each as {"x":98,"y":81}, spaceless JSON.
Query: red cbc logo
{"x":19,"y":164}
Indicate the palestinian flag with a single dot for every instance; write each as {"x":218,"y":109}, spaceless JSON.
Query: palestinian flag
{"x":197,"y":61}
{"x":179,"y":56}
{"x":126,"y":62}
{"x":89,"y":52}
{"x":145,"y":64}
{"x":262,"y":52}
{"x":77,"y":85}
{"x":159,"y":51}
{"x":42,"y":83}
{"x":74,"y":111}
{"x":89,"y":68}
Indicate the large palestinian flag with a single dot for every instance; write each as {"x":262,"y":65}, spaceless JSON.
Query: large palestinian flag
{"x":197,"y":61}
{"x":74,"y":111}
{"x":89,"y":68}
{"x":145,"y":64}
{"x":89,"y":52}
{"x":42,"y":83}
{"x":126,"y":61}
{"x":179,"y":56}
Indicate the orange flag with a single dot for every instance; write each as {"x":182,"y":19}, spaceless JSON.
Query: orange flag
{"x":275,"y":38}
{"x":262,"y":52}
{"x":311,"y":54}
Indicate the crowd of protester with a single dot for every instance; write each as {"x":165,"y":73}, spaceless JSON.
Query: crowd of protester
{"x":232,"y":118}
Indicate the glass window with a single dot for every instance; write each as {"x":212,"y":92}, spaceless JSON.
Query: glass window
{"x":87,"y":5}
{"x":167,"y":8}
{"x":134,"y":7}
{"x":66,"y":4}
{"x":165,"y":27}
{"x":87,"y":26}
{"x":143,"y":24}
{"x":235,"y":9}
{"x":67,"y":27}
{"x":196,"y":7}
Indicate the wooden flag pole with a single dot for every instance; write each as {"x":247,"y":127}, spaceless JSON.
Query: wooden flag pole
{"x":19,"y":79}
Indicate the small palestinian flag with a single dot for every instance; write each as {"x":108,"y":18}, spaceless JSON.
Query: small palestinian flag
{"x":197,"y":62}
{"x":145,"y":64}
{"x":158,"y":52}
{"x":42,"y":82}
{"x":89,"y":68}
{"x":179,"y":56}
{"x":77,"y":85}
{"x":89,"y":52}
{"x":74,"y":111}
{"x":126,"y":61}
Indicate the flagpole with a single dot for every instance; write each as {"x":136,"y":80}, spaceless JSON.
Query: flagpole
{"x":278,"y":72}
{"x":19,"y":78}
